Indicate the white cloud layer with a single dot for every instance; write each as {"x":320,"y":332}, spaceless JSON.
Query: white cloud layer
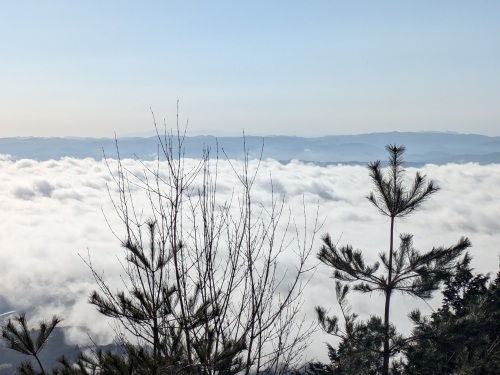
{"x":52,"y":213}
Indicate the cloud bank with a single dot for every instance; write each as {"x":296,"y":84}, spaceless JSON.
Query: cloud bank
{"x":53,"y":213}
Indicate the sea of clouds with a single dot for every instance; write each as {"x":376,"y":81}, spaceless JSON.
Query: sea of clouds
{"x":54,"y":213}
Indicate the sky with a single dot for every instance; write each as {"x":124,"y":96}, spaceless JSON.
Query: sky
{"x":57,"y":213}
{"x":306,"y":68}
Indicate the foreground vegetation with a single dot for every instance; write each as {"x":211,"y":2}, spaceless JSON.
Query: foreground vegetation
{"x":204,"y":293}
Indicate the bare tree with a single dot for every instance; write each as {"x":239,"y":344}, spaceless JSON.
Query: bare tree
{"x":203,"y":288}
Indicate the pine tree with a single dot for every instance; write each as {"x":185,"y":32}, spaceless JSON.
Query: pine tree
{"x":463,"y":336}
{"x":19,"y":338}
{"x":403,"y":269}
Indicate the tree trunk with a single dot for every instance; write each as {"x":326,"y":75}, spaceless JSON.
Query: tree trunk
{"x":40,"y":364}
{"x":388,"y":293}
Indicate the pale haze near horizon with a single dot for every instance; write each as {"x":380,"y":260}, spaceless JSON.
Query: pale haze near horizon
{"x":269,"y":68}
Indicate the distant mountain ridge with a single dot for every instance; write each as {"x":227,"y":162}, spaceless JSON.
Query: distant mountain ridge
{"x":422,"y":147}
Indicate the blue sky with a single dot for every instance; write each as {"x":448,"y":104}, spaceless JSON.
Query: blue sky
{"x":308,"y":68}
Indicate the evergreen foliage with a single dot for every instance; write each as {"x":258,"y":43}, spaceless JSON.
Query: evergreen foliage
{"x":19,"y":338}
{"x":463,"y":336}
